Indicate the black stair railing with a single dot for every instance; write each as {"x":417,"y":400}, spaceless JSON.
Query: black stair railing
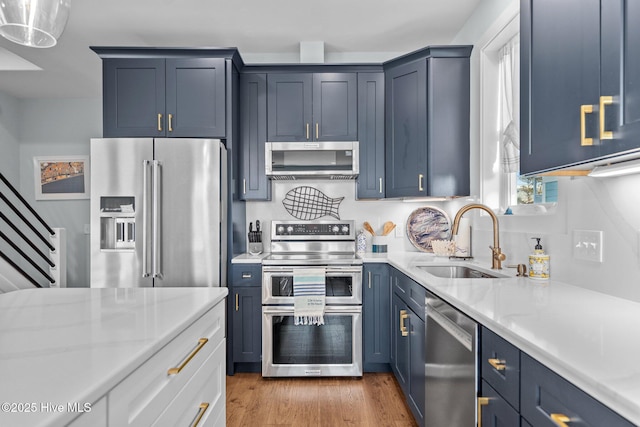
{"x":22,"y":209}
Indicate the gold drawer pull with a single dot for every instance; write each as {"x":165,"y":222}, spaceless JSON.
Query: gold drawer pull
{"x":482,"y":401}
{"x":317,"y":130}
{"x":201,"y":343}
{"x":170,"y":122}
{"x":498,"y":364}
{"x":584,"y":110}
{"x":560,"y":419}
{"x":605,"y":134}
{"x":201,"y":410}
{"x":159,"y":122}
{"x":307,"y":130}
{"x":403,"y":329}
{"x":420,"y":178}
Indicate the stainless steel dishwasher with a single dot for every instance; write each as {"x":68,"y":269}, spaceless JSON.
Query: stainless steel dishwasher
{"x":451,"y":342}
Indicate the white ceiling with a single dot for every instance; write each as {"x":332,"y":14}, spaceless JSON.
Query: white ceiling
{"x":263,"y":31}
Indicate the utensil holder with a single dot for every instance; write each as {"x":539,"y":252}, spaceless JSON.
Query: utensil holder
{"x":379,"y":244}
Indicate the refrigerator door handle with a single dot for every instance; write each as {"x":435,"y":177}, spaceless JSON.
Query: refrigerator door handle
{"x":145,"y":218}
{"x":156,"y":218}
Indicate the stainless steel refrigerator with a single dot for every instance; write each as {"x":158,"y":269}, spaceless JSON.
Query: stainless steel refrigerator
{"x":158,"y":212}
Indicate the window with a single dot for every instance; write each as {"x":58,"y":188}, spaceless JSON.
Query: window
{"x":502,"y":185}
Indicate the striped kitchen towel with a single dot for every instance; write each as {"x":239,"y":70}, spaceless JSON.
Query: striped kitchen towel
{"x":309,"y":290}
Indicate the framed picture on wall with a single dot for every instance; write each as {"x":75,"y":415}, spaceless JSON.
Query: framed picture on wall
{"x":61,"y":177}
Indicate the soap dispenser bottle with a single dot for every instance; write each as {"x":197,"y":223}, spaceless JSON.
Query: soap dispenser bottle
{"x":538,"y":262}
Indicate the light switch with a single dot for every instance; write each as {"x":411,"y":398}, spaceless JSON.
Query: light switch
{"x":587,"y":245}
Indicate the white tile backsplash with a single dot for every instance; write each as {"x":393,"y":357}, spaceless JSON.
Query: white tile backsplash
{"x":609,"y":205}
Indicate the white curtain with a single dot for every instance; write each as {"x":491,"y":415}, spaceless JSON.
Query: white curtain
{"x":510,"y":106}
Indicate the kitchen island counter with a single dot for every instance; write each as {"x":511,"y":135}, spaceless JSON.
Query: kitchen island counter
{"x":61,"y":350}
{"x":587,"y":337}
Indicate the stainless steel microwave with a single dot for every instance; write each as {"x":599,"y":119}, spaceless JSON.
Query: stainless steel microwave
{"x":319,"y":160}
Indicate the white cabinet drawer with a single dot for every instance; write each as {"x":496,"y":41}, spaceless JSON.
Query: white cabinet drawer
{"x":142,"y":397}
{"x":202,"y":402}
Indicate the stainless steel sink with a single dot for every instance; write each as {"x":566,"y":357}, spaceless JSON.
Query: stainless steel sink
{"x":457,"y":272}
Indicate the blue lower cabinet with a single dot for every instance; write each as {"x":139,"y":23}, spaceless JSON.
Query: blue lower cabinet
{"x":494,"y":410}
{"x":500,"y":366}
{"x":244,"y":319}
{"x":545,"y":397}
{"x":376,"y":313}
{"x":407,"y":345}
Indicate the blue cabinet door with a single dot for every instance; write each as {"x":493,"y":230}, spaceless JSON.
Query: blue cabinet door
{"x":254,"y":184}
{"x":560,"y":73}
{"x":371,"y":180}
{"x":545,"y":395}
{"x":406,"y":129}
{"x":620,"y":78}
{"x":497,"y":412}
{"x":289,"y":103}
{"x":400,"y":363}
{"x":335,"y":107}
{"x":376,"y":313}
{"x":195,"y":97}
{"x":247,"y":324}
{"x":133,"y":97}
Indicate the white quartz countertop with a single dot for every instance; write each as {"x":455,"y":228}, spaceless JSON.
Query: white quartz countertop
{"x":65,"y":346}
{"x":589,"y":338}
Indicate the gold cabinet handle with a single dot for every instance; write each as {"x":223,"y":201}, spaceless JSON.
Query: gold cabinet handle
{"x":561,"y":420}
{"x":482,"y":401}
{"x":201,"y":411}
{"x":605,"y":134}
{"x":369,"y":280}
{"x":380,"y":184}
{"x":159,"y":122}
{"x":176,"y":370}
{"x":420,"y":179}
{"x":237,"y":302}
{"x":170,"y":123}
{"x":307,"y":130}
{"x":317,"y":130}
{"x":403,"y":329}
{"x":244,"y":186}
{"x":584,"y":110}
{"x":498,"y":364}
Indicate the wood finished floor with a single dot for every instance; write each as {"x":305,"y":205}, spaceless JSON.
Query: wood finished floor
{"x":373,"y":400}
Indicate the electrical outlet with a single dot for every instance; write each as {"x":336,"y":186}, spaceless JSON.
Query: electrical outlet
{"x":587,"y":245}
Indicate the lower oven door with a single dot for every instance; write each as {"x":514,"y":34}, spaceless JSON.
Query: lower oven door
{"x":332,"y":349}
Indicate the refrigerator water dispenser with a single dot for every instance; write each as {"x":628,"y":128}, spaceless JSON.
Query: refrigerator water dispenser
{"x":117,"y":223}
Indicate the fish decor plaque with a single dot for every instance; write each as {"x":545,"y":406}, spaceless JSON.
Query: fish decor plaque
{"x":308,"y":203}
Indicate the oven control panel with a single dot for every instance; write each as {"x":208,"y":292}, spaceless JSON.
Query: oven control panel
{"x":310,"y":230}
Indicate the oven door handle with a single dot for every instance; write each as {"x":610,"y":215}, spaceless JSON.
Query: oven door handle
{"x":328,"y":270}
{"x":288,"y":309}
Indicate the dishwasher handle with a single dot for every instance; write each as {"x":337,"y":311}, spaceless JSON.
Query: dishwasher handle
{"x":462,"y":336}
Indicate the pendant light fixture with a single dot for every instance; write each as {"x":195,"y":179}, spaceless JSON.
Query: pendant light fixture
{"x":33,"y":23}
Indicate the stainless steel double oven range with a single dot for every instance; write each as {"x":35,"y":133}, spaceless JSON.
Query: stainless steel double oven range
{"x":332,"y":349}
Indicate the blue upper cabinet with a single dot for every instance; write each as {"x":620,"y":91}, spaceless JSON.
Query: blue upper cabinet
{"x":195,"y":97}
{"x":620,"y":78}
{"x":312,"y":107}
{"x":133,"y":97}
{"x":427,"y":123}
{"x":173,"y":93}
{"x":371,"y":180}
{"x":579,"y":82}
{"x":253,"y":134}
